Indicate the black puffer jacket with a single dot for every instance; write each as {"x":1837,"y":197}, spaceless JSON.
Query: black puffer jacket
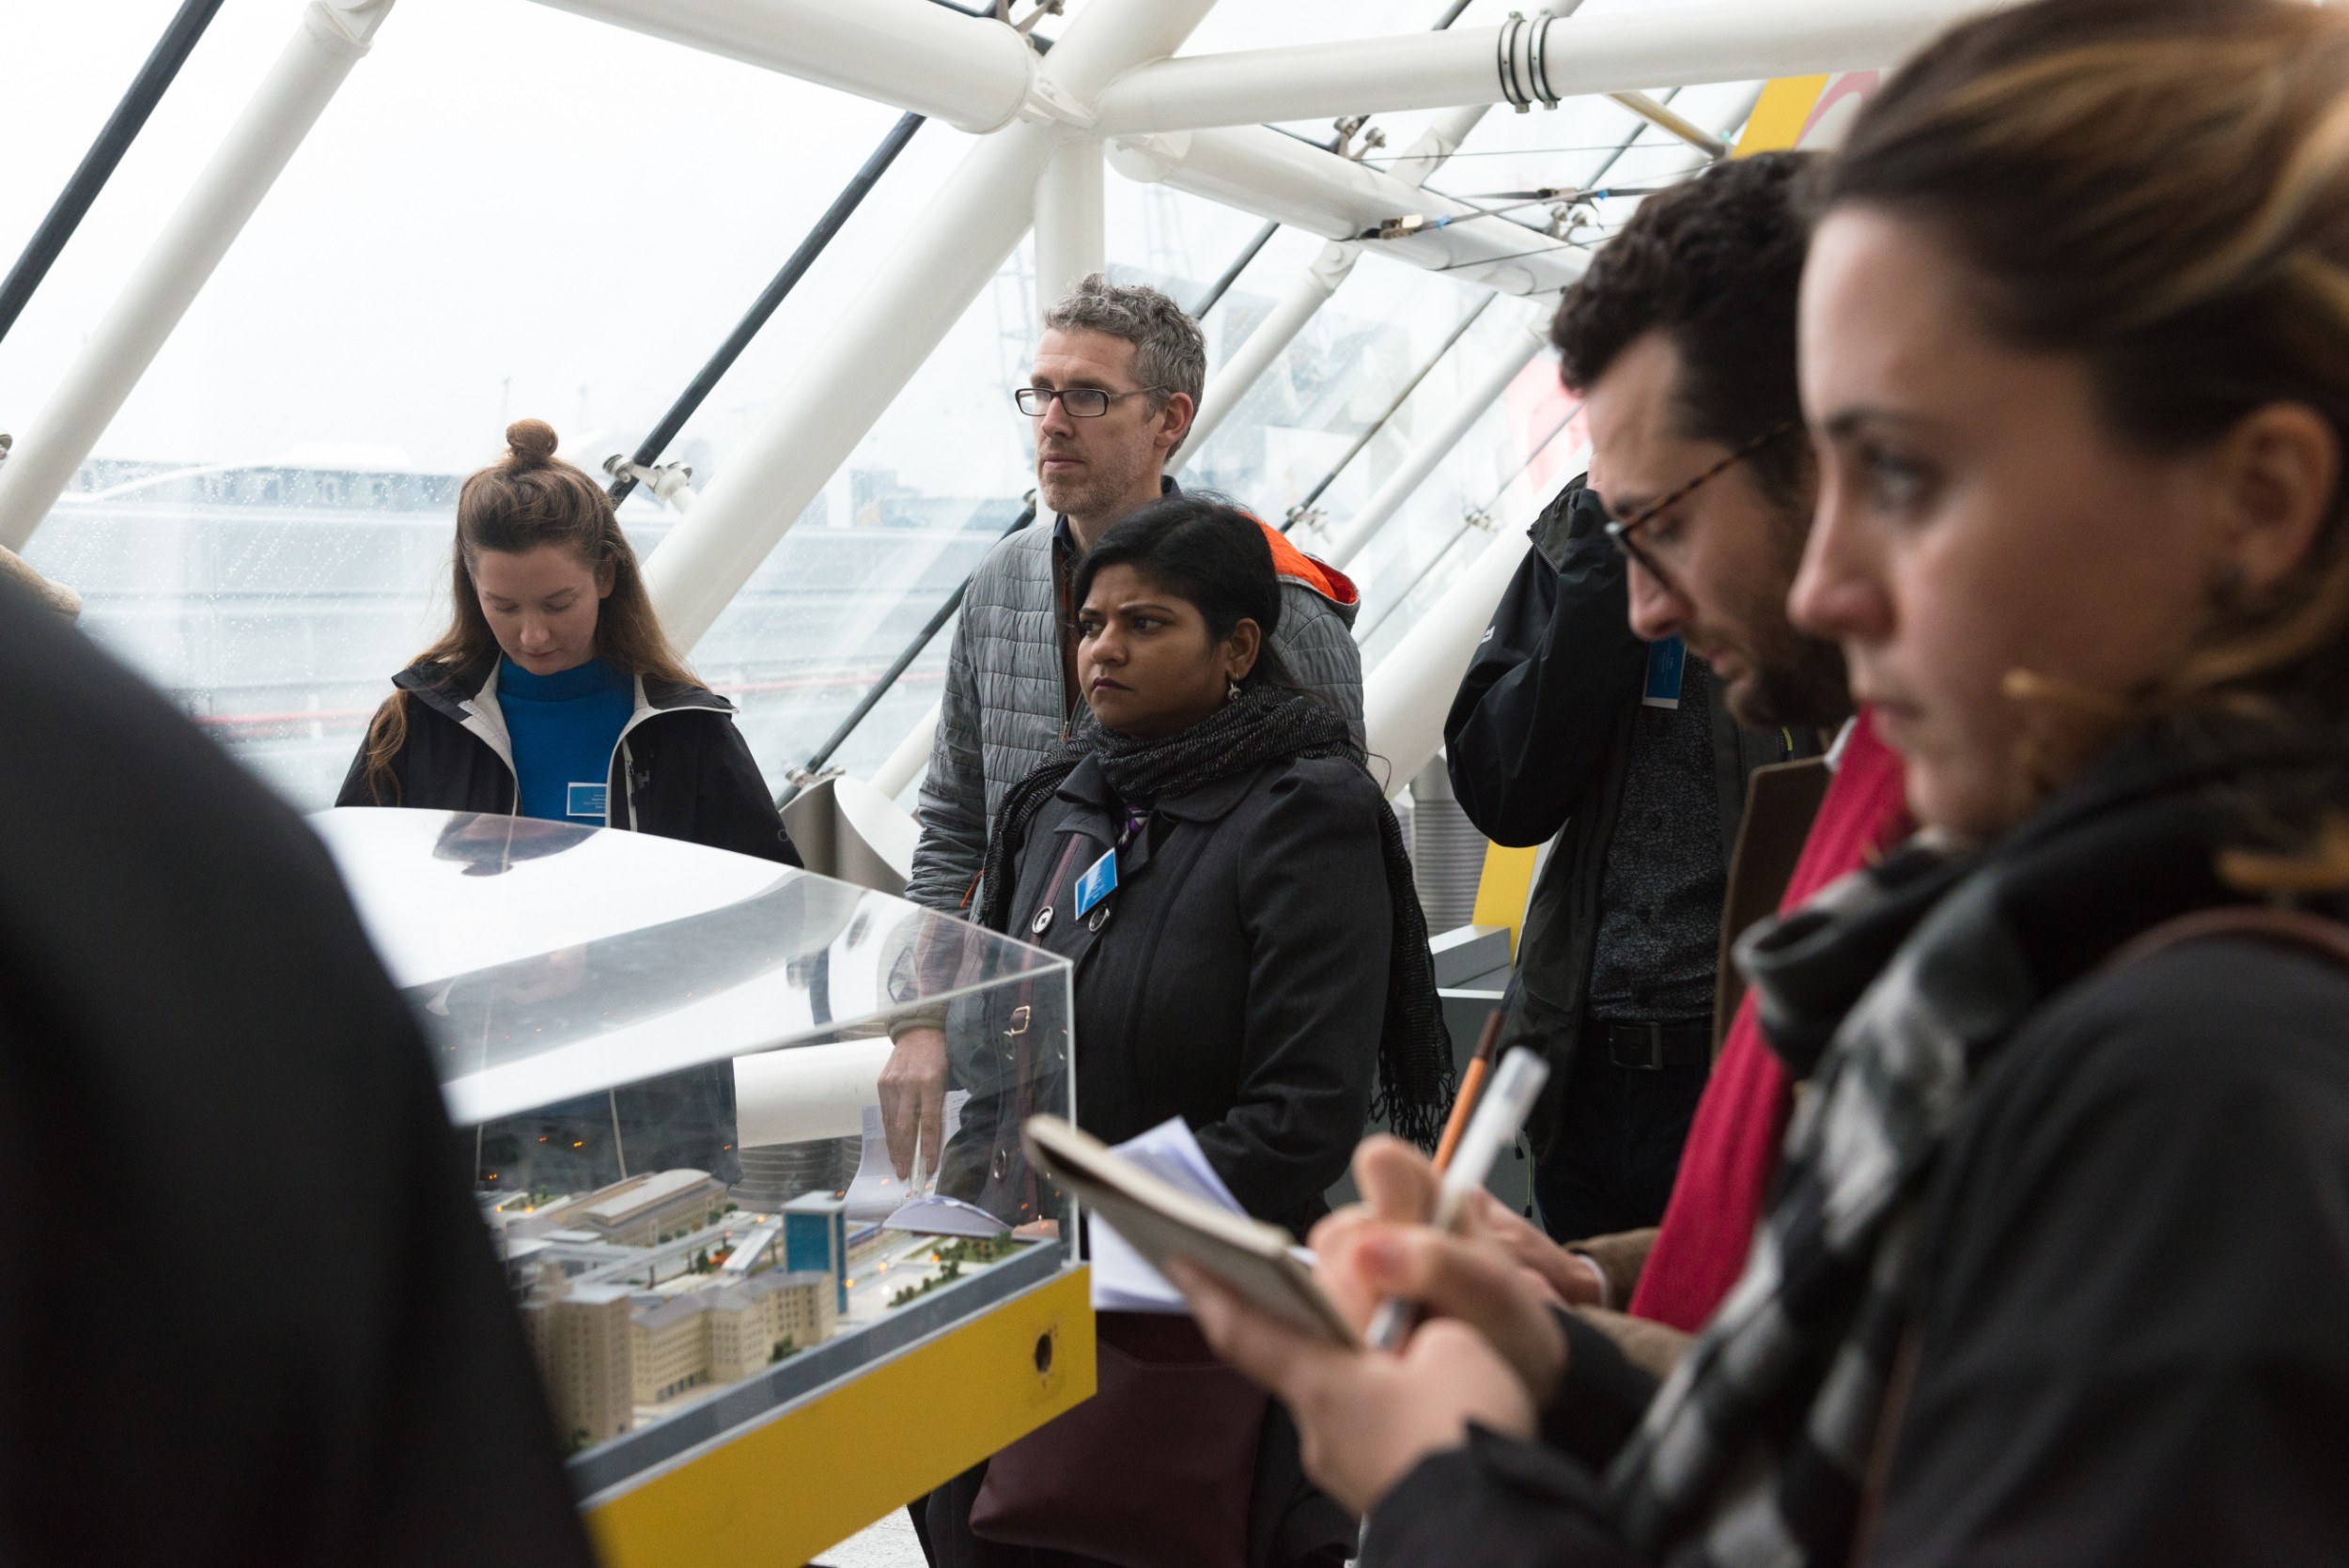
{"x":681,"y":770}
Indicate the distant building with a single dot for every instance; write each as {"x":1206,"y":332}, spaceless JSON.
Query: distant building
{"x":815,"y":1236}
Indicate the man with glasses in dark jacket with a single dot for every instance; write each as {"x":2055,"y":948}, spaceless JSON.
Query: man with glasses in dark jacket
{"x":1636,"y":755}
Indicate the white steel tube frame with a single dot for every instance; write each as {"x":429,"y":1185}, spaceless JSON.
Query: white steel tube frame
{"x":1728,"y":40}
{"x":971,"y":71}
{"x":1404,"y":709}
{"x":1431,"y":449}
{"x":1312,"y":288}
{"x":1307,"y":293}
{"x":326,"y":44}
{"x":1070,"y":241}
{"x":1261,"y":171}
{"x":848,"y":381}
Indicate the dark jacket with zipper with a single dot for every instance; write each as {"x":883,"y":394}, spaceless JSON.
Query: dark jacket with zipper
{"x":1236,"y":977}
{"x":680,"y":769}
{"x":1538,"y":743}
{"x":2129,"y":1306}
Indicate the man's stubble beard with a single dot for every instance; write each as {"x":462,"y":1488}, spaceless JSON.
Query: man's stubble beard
{"x":1101,"y":487}
{"x":1791,"y":679}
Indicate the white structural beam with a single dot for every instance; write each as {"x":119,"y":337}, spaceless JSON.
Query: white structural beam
{"x":326,"y":44}
{"x":973,"y":73}
{"x":1261,"y":171}
{"x":909,"y":759}
{"x":1069,"y":218}
{"x":847,"y":382}
{"x":1312,"y":289}
{"x":1727,"y":41}
{"x":1306,"y":294}
{"x":1406,"y":697}
{"x":1430,"y":449}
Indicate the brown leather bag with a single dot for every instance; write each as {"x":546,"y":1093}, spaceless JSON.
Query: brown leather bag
{"x":1156,"y":1470}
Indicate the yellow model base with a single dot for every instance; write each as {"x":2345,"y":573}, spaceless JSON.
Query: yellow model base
{"x":816,"y":1473}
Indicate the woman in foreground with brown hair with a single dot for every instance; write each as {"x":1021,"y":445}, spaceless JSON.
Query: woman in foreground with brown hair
{"x":2059,"y":1268}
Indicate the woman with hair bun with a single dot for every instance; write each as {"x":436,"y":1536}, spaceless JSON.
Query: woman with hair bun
{"x":554,"y":693}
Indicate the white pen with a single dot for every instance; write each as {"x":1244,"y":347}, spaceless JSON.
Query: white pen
{"x":1517,"y":1083}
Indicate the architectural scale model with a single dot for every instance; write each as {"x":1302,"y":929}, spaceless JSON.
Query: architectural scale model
{"x":659,"y":1287}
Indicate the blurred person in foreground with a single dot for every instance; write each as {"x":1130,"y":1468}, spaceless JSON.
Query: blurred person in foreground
{"x":253,"y":1315}
{"x":2059,"y":1255}
{"x":1116,"y":381}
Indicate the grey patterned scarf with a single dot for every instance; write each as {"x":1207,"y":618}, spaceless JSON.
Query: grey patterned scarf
{"x":1888,"y":992}
{"x":1263,"y":723}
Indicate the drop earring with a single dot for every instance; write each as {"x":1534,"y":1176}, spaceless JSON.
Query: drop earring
{"x":1230,"y":692}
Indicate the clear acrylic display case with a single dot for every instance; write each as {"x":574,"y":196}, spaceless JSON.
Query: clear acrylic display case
{"x":665,"y":1058}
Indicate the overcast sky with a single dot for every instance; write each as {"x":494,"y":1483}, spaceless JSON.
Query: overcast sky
{"x":513,"y":211}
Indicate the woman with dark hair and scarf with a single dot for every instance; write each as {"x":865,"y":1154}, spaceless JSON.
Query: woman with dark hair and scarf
{"x":2058,"y":1269}
{"x":1259,"y":969}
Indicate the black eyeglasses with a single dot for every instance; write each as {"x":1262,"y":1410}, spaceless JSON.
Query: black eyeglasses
{"x":1083,"y":402}
{"x":1620,"y":530}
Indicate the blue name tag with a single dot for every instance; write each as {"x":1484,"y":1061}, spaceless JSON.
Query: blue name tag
{"x":588,"y":800}
{"x":1666,"y":660}
{"x":1099,"y":881}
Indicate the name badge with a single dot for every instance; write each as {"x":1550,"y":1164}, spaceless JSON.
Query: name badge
{"x":1099,"y":881}
{"x":588,"y":800}
{"x":1666,"y":662}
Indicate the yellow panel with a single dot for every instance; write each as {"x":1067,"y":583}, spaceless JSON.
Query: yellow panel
{"x":1503,"y":888}
{"x":1780,"y":114}
{"x":817,"y":1472}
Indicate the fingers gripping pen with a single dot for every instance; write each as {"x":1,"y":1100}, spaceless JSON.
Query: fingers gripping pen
{"x":1517,"y":1083}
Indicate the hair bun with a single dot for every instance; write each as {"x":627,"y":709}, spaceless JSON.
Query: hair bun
{"x":533,"y":443}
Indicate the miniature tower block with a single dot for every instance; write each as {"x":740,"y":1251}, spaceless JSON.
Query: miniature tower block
{"x":815,"y":1236}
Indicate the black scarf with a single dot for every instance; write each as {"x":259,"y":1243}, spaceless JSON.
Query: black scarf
{"x":1261,"y":725}
{"x":1888,"y":992}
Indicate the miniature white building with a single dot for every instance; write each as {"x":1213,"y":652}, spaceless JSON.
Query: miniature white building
{"x":582,"y":1337}
{"x":679,"y":1343}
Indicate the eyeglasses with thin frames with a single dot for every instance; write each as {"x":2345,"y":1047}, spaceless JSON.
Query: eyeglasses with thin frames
{"x":1620,"y":530}
{"x":1081,"y":402}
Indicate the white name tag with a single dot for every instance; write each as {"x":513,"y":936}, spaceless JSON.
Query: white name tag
{"x":588,"y":801}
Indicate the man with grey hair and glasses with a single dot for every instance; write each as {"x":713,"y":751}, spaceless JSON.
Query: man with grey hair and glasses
{"x":1117,"y":377}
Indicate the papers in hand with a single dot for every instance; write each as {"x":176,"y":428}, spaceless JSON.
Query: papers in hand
{"x":878,"y":1190}
{"x":1165,"y":1223}
{"x":1122,"y":1281}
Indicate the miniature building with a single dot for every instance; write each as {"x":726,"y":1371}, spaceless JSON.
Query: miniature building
{"x":815,"y":1236}
{"x":636,"y":1212}
{"x":581,"y":1335}
{"x":679,"y":1343}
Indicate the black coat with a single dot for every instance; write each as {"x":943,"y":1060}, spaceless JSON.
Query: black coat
{"x":2134,"y":1273}
{"x":253,"y":1316}
{"x":1537,"y":743}
{"x":1239,"y":978}
{"x":681,"y":770}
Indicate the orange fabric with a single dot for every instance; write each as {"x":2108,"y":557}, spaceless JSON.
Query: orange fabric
{"x":1321,"y":577}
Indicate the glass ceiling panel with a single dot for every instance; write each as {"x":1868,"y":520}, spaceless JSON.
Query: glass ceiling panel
{"x":507,"y":210}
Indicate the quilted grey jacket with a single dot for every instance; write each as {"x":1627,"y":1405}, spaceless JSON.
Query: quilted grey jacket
{"x":1004,"y":704}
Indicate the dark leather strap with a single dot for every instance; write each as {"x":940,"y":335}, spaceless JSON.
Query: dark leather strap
{"x":2324,"y":938}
